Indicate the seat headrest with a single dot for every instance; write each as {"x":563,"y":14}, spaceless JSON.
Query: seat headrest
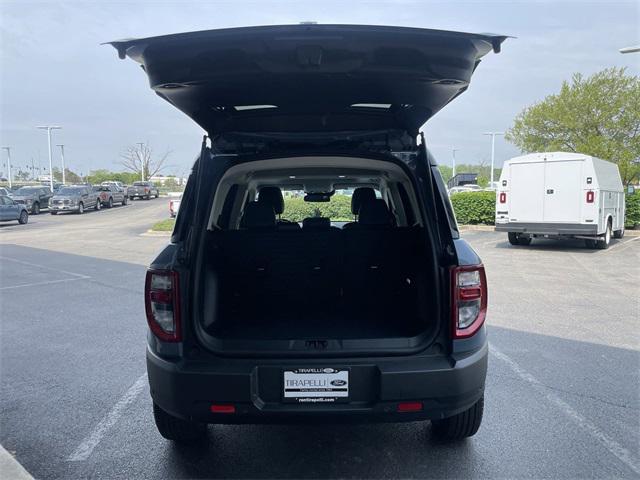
{"x":361,"y":195}
{"x":258,"y":215}
{"x":272,"y":196}
{"x":375,"y":213}
{"x":316,"y":223}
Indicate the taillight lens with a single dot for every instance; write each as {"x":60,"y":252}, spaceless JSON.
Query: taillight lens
{"x":468,"y":299}
{"x":162,"y":304}
{"x":503,"y":197}
{"x":591,"y":195}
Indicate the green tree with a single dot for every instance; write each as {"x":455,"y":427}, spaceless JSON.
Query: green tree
{"x":597,"y":115}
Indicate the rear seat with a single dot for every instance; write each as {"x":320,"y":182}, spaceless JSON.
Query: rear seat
{"x":316,"y":268}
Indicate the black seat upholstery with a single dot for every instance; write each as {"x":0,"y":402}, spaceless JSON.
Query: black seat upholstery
{"x":273,"y":196}
{"x":375,"y":213}
{"x":316,"y":222}
{"x":258,"y":215}
{"x":361,"y":195}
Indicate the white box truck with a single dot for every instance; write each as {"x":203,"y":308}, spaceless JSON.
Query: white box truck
{"x":560,"y":195}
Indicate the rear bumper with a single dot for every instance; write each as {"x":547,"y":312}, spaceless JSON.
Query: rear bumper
{"x":549,"y":228}
{"x":445,"y":385}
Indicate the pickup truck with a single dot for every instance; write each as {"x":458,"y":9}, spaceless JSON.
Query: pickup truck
{"x":144,"y":190}
{"x":110,"y":194}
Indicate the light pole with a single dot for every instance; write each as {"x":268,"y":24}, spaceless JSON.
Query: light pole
{"x":48,"y":128}
{"x":61,"y":145}
{"x":493,"y":151}
{"x":8,"y":149}
{"x":453,"y":161}
{"x":139,"y":153}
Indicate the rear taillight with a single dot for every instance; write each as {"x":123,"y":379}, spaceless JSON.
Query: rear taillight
{"x":162,"y":304}
{"x":591,"y":196}
{"x":503,"y":197}
{"x":468,"y":300}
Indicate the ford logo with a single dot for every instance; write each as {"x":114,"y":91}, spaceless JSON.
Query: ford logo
{"x":338,"y":383}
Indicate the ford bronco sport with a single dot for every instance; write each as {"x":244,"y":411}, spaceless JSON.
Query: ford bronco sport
{"x":254,"y":317}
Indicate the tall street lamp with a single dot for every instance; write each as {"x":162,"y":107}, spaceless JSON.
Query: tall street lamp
{"x":61,"y":145}
{"x":493,"y":151}
{"x":8,"y":149}
{"x":48,"y":128}
{"x":453,"y":161}
{"x":140,"y":157}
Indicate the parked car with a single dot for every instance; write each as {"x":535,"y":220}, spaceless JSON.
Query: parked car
{"x":144,"y":190}
{"x":117,"y":184}
{"x":10,"y":210}
{"x":257,"y":320}
{"x":174,"y":206}
{"x":111,"y":194}
{"x":560,"y":195}
{"x":34,"y":197}
{"x":75,"y":198}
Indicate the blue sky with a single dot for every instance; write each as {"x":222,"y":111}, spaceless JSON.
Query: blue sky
{"x":54,"y":70}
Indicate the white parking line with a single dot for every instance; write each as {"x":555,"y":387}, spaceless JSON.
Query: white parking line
{"x":90,"y":442}
{"x":11,"y":468}
{"x":47,"y":282}
{"x":79,"y":275}
{"x":609,"y":443}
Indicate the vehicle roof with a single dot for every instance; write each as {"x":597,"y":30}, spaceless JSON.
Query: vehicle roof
{"x":310,"y":78}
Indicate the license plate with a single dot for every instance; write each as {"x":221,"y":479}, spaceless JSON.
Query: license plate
{"x":316,"y":385}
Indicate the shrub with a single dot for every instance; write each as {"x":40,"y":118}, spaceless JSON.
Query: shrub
{"x":338,"y":209}
{"x":474,"y":208}
{"x":632,"y":212}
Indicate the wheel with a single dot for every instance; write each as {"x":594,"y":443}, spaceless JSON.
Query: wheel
{"x":98,"y":204}
{"x":518,"y":239}
{"x":124,"y":201}
{"x":176,"y":429}
{"x":53,"y":213}
{"x":604,"y":242}
{"x":460,"y":426}
{"x":618,"y":233}
{"x":35,"y":209}
{"x":80,"y":208}
{"x":591,"y":243}
{"x":23,"y":218}
{"x":110,"y":203}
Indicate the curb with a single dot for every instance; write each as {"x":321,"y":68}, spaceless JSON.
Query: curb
{"x":483,"y":228}
{"x":11,"y":468}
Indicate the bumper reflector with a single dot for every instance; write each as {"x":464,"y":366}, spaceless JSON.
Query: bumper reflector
{"x":223,"y":408}
{"x":405,"y":407}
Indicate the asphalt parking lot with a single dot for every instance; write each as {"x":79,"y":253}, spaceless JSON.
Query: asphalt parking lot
{"x":562,"y":396}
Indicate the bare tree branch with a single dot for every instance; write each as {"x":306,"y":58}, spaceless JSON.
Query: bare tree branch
{"x":140,"y":159}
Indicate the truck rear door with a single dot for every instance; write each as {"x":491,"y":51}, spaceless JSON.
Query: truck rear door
{"x":526,"y":192}
{"x":563,"y":191}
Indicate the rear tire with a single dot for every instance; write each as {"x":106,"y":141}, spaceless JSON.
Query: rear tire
{"x":518,"y":239}
{"x":23,"y":218}
{"x":110,"y":203}
{"x":176,"y":429}
{"x":53,"y":213}
{"x":618,"y":233}
{"x":460,"y":426}
{"x":604,"y":243}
